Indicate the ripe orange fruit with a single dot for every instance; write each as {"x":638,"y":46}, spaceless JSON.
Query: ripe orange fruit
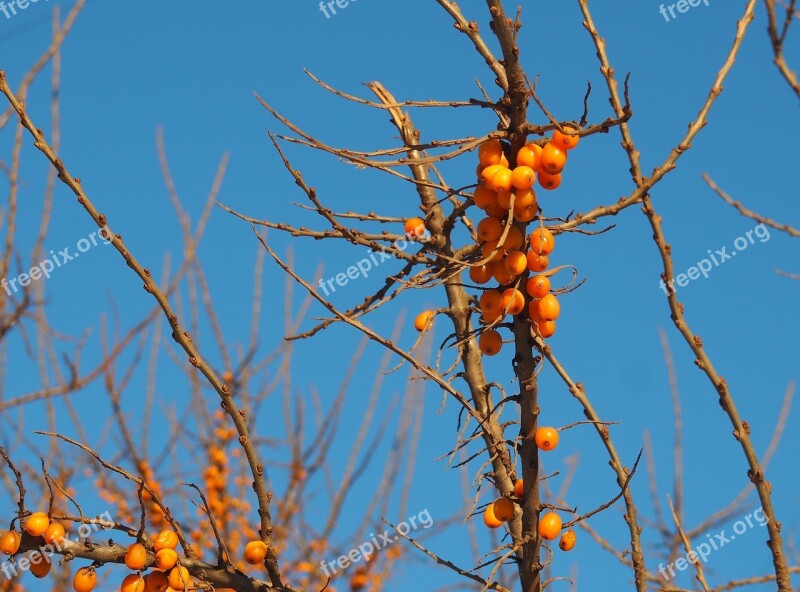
{"x":537,"y":262}
{"x":491,"y":302}
{"x":542,"y":241}
{"x":136,"y":556}
{"x":10,"y":541}
{"x":489,"y":519}
{"x":156,"y":581}
{"x":549,"y":182}
{"x":544,"y":329}
{"x":254,"y":552}
{"x":552,"y":159}
{"x":537,"y":286}
{"x":132,"y":583}
{"x":490,"y":342}
{"x":524,"y":198}
{"x":166,"y":559}
{"x":501,"y":180}
{"x":504,"y":161}
{"x":496,"y":211}
{"x":84,"y":580}
{"x":415,"y":227}
{"x":423,"y":320}
{"x":166,"y":539}
{"x":41,"y":568}
{"x":37,"y":523}
{"x":490,"y":251}
{"x":178,"y":577}
{"x":489,"y":172}
{"x":489,"y":229}
{"x":483,"y":196}
{"x":549,"y":526}
{"x":523,"y":177}
{"x":500,"y":273}
{"x":55,"y":533}
{"x":490,"y":152}
{"x":513,"y":301}
{"x":504,"y":199}
{"x":548,"y":308}
{"x":503,"y":509}
{"x":525,"y":214}
{"x":528,"y":156}
{"x":480,"y":274}
{"x":515,"y":262}
{"x":565,"y":141}
{"x":567,"y":541}
{"x":514,"y":239}
{"x":546,"y":438}
{"x":519,"y":488}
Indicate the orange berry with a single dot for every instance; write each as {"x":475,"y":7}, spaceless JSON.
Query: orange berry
{"x":519,"y":488}
{"x":55,"y":533}
{"x":548,"y":308}
{"x":166,"y":539}
{"x":490,"y":342}
{"x":501,"y":274}
{"x":504,"y":200}
{"x":479,"y":170}
{"x":549,"y":526}
{"x":489,"y":172}
{"x":538,"y":286}
{"x":553,"y":159}
{"x":415,"y":227}
{"x":567,"y":541}
{"x":501,"y":180}
{"x":543,"y":328}
{"x":490,"y":152}
{"x":496,"y":211}
{"x":565,"y":141}
{"x":491,"y":303}
{"x":40,"y":568}
{"x":489,"y":519}
{"x":136,"y":556}
{"x":537,"y":262}
{"x":156,"y":581}
{"x":523,"y":177}
{"x":525,"y":214}
{"x":549,"y":182}
{"x":489,"y":229}
{"x":166,"y":559}
{"x":524,"y":198}
{"x":528,"y":156}
{"x":514,"y":239}
{"x":483,"y":196}
{"x":504,"y":161}
{"x":515,"y":262}
{"x":513,"y":301}
{"x":546,"y":438}
{"x":542,"y":241}
{"x":424,"y":320}
{"x":503,"y":509}
{"x":84,"y":580}
{"x":10,"y":542}
{"x":178,"y":577}
{"x":480,"y":274}
{"x":132,"y":583}
{"x":490,"y":250}
{"x":37,"y":523}
{"x":254,"y":552}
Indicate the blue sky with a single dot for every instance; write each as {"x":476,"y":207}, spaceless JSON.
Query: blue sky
{"x":193,"y":69}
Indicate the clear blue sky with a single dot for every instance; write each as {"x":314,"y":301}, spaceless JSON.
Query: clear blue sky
{"x":193,"y":68}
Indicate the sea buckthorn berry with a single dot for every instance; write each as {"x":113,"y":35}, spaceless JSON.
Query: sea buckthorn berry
{"x":496,"y":211}
{"x":424,"y":320}
{"x":40,"y":564}
{"x":565,"y":141}
{"x":489,"y":172}
{"x":524,"y":198}
{"x":552,"y":159}
{"x":528,"y":156}
{"x":549,"y":526}
{"x":489,"y":519}
{"x":55,"y":533}
{"x":84,"y":580}
{"x":538,"y":286}
{"x":523,"y":177}
{"x":537,"y":262}
{"x":546,"y":438}
{"x":136,"y":556}
{"x":37,"y":523}
{"x":515,"y":262}
{"x":567,"y":542}
{"x":548,"y":308}
{"x":501,"y":274}
{"x":519,"y":488}
{"x":504,"y":161}
{"x":503,"y":509}
{"x":491,"y":302}
{"x":542,"y":241}
{"x":490,"y":152}
{"x":166,"y":539}
{"x":533,"y":311}
{"x":10,"y":541}
{"x":166,"y":559}
{"x":492,"y":319}
{"x":489,"y":229}
{"x":490,"y":250}
{"x":132,"y":583}
{"x":481,"y":273}
{"x":525,"y":214}
{"x":179,"y":577}
{"x":479,"y":170}
{"x":549,"y":182}
{"x":490,"y":342}
{"x":501,"y":180}
{"x":415,"y":227}
{"x":156,"y":581}
{"x":504,"y":199}
{"x":513,"y":240}
{"x":543,"y":329}
{"x":483,"y":196}
{"x":513,"y":301}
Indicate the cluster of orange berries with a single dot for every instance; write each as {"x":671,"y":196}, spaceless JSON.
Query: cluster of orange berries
{"x":37,"y":525}
{"x":503,"y":509}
